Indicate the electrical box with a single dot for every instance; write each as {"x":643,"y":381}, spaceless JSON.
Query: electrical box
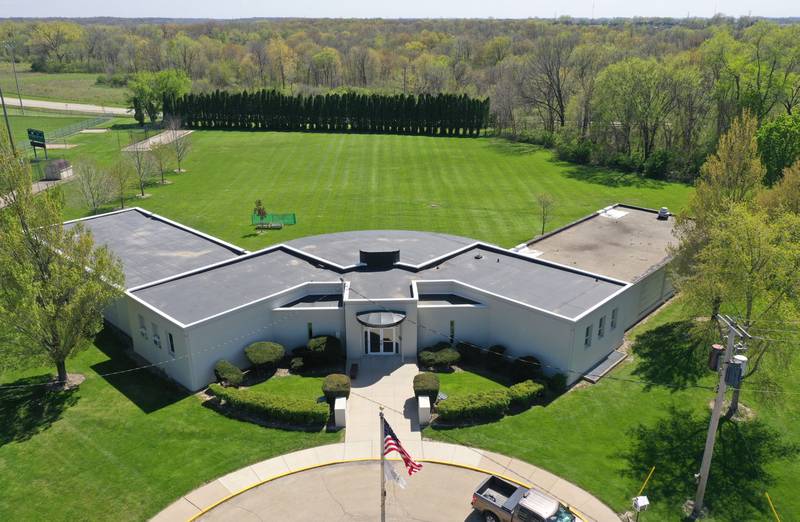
{"x":733,"y":374}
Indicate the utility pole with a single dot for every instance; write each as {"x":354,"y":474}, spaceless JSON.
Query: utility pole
{"x":8,"y":125}
{"x":10,"y":47}
{"x":705,"y":467}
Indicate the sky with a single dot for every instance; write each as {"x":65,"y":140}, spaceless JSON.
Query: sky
{"x":395,"y":8}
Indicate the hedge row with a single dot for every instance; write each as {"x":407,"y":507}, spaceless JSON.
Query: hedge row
{"x":443,"y":358}
{"x":439,"y":114}
{"x":282,"y":410}
{"x":520,"y":369}
{"x":491,"y":405}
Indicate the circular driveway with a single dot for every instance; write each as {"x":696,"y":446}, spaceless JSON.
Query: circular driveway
{"x":351,"y":491}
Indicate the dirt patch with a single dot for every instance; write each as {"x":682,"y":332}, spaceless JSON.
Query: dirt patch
{"x":744,"y":413}
{"x":73,"y":381}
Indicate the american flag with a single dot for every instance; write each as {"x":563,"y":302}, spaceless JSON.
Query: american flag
{"x":392,"y":443}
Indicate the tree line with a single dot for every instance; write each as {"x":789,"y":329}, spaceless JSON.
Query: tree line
{"x":645,"y":95}
{"x":439,"y":115}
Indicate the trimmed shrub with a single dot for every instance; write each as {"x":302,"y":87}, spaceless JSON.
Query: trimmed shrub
{"x":527,"y":367}
{"x":227,"y":373}
{"x":557,"y":383}
{"x":296,"y":365}
{"x":469,"y":353}
{"x":496,"y":359}
{"x":524,"y":394}
{"x":444,"y":358}
{"x":336,"y":385}
{"x":426,"y":384}
{"x":322,"y":350}
{"x":280,"y":409}
{"x":490,"y":405}
{"x":265,"y":354}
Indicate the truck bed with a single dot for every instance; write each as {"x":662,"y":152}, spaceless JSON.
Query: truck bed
{"x":501,"y":493}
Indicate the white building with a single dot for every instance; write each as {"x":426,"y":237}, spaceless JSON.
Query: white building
{"x":192,"y":299}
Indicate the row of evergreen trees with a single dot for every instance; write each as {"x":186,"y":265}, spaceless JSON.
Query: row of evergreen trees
{"x":441,"y":114}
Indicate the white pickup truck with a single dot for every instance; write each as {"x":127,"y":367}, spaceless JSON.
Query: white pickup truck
{"x":502,"y":501}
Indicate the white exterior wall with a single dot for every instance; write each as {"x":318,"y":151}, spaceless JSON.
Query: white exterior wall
{"x":471,"y":324}
{"x":584,"y":358}
{"x":651,"y":291}
{"x":117,"y":314}
{"x":176,"y":365}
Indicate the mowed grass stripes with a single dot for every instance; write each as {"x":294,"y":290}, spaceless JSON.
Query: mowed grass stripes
{"x":482,"y":188}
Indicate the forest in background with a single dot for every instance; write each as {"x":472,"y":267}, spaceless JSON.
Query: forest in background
{"x":646,"y":95}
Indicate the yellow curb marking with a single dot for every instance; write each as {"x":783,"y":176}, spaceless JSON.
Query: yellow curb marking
{"x":348,"y":461}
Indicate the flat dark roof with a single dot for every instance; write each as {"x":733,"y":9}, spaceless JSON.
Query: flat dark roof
{"x":621,"y":242}
{"x":151,"y":248}
{"x":415,"y":247}
{"x":209,"y":292}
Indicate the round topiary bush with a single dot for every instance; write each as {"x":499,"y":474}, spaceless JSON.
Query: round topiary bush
{"x":527,"y":367}
{"x":265,"y":354}
{"x":325,"y":349}
{"x":336,"y":385}
{"x":426,"y":384}
{"x":227,"y":373}
{"x":296,"y":365}
{"x":448,"y":357}
{"x":441,"y":359}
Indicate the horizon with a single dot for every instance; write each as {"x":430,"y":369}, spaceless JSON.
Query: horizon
{"x":410,"y":10}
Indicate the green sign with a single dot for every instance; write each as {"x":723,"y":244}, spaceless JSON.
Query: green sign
{"x":37,"y":137}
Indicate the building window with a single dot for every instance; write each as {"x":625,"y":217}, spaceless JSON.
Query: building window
{"x":587,"y":339}
{"x":452,"y":332}
{"x":614,"y":318}
{"x":156,"y":338}
{"x":310,"y":330}
{"x":601,"y":327}
{"x":142,"y":327}
{"x":171,"y":344}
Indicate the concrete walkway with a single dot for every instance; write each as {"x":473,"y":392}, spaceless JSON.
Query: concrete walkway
{"x":68,"y":106}
{"x":40,"y":186}
{"x":162,"y":138}
{"x":387,"y":380}
{"x":226,"y":488}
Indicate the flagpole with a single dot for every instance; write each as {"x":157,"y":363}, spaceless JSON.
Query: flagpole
{"x":383,"y":473}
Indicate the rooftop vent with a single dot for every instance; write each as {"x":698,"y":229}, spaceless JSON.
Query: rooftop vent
{"x":379,"y":259}
{"x":664,"y":213}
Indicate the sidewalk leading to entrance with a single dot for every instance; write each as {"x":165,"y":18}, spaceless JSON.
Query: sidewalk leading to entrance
{"x":388,"y":380}
{"x":441,"y":459}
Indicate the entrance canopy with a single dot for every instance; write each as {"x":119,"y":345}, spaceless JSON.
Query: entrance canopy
{"x":380,"y":319}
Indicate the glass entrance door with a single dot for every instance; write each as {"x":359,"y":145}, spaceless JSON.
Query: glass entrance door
{"x":381,"y":341}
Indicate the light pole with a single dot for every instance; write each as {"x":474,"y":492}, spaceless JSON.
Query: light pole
{"x":10,"y":47}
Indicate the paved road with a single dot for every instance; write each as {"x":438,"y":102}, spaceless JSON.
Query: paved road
{"x":68,"y":106}
{"x":352,"y":492}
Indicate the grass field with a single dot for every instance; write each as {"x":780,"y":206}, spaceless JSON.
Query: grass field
{"x":73,"y":87}
{"x":44,"y":121}
{"x":590,"y":437}
{"x":465,"y":383}
{"x":308,"y":388}
{"x":121,"y":447}
{"x":480,"y":188}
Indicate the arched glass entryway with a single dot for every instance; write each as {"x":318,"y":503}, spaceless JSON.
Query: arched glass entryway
{"x":381,"y":332}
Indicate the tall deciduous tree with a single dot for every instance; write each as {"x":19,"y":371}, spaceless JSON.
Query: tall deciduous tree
{"x":779,"y":145}
{"x":179,"y":141}
{"x":148,"y":90}
{"x":54,"y":282}
{"x":749,"y":267}
{"x":142,"y":163}
{"x":730,"y":176}
{"x":546,"y":202}
{"x":121,"y":176}
{"x":282,"y":59}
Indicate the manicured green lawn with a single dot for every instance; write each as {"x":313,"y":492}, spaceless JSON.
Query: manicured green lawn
{"x":588,"y":437}
{"x":72,"y":87}
{"x":481,"y":188}
{"x":47,"y":122}
{"x":465,"y":383}
{"x":119,"y":448}
{"x":292,"y":386}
